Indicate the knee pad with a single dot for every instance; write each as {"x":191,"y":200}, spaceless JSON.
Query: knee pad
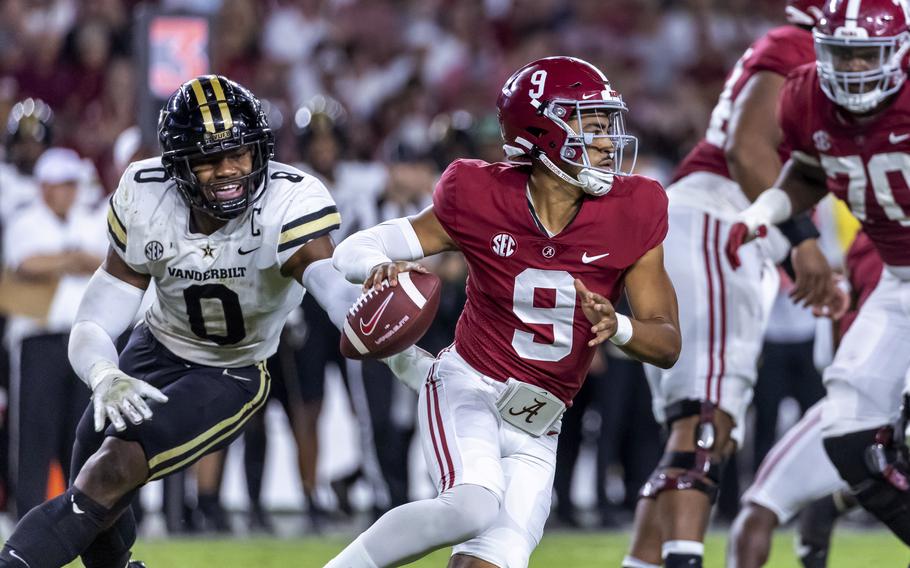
{"x":878,"y":475}
{"x":472,"y":509}
{"x":700,"y":471}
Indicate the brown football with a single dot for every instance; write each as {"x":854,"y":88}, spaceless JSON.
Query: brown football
{"x":389,"y":320}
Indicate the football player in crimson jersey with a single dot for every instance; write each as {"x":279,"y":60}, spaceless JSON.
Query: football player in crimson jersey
{"x":703,"y":398}
{"x":847,"y":119}
{"x":551,"y":240}
{"x":773,"y":498}
{"x":228,"y":236}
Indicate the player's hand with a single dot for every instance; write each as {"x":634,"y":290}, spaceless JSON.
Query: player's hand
{"x":837,"y":304}
{"x":814,"y":284}
{"x":738,"y":236}
{"x":599,"y":312}
{"x":116,"y":394}
{"x":389,"y":271}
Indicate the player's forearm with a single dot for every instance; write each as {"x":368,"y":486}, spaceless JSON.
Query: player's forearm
{"x":108,"y":308}
{"x":654,"y":341}
{"x":356,"y":256}
{"x":45,"y":266}
{"x":329,"y":288}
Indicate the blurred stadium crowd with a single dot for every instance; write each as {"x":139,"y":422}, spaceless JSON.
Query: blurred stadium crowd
{"x":376,"y":97}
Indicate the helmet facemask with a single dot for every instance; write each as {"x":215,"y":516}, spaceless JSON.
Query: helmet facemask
{"x":881,"y":75}
{"x":204,"y":196}
{"x":599,"y":151}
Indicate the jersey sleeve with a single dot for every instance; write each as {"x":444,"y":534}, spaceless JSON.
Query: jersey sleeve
{"x":123,"y":208}
{"x":445,"y":202}
{"x":781,"y":51}
{"x":658,"y":214}
{"x":793,"y":108}
{"x":310,"y":214}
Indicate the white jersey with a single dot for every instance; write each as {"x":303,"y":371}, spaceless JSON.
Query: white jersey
{"x":221,"y":299}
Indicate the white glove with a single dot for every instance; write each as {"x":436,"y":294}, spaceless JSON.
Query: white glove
{"x":114,"y":393}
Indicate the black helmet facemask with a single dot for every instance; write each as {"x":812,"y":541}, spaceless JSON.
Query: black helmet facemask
{"x":207,"y":116}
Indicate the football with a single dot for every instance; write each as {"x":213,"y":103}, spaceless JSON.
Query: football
{"x":387,"y":321}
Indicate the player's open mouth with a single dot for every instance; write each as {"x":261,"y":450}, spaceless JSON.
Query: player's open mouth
{"x":229,"y":191}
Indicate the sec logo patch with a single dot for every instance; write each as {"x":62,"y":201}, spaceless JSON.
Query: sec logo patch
{"x":503,"y":244}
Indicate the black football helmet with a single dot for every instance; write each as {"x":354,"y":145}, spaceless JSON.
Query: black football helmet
{"x":28,"y":133}
{"x":209,"y":115}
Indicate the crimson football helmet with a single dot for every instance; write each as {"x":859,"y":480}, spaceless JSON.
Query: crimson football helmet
{"x":537,"y":107}
{"x":804,"y":12}
{"x":860,"y":46}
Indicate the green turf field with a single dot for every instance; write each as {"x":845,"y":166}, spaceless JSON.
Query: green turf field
{"x":569,"y":550}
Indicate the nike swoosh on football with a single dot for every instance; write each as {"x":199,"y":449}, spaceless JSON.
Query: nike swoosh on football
{"x":589,"y":259}
{"x":369,"y":326}
{"x":238,"y":377}
{"x":243,"y":252}
{"x":897,"y":138}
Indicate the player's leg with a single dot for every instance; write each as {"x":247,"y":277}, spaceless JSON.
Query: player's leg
{"x":704,"y":396}
{"x":528,"y":468}
{"x":206,"y":410}
{"x":816,"y":524}
{"x":795,"y":472}
{"x":865,"y":383}
{"x":460,"y":435}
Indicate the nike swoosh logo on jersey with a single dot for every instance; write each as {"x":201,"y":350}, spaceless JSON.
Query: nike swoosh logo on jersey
{"x":238,"y":377}
{"x":243,"y":252}
{"x":17,"y":557}
{"x":368,"y":327}
{"x":589,"y":259}
{"x":897,"y":138}
{"x":76,"y":508}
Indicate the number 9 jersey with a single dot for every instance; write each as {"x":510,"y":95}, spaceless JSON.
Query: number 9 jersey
{"x":220,"y":299}
{"x":522,"y":318}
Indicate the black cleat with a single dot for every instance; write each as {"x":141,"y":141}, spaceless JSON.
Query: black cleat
{"x":135,"y":564}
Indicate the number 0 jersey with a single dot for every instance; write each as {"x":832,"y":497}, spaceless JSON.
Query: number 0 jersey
{"x":522,"y":318}
{"x":221,"y":299}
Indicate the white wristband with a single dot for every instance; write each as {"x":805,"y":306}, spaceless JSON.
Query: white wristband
{"x":623,"y":330}
{"x":772,"y":206}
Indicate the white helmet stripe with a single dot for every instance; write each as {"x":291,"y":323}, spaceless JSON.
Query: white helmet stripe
{"x":852,"y":13}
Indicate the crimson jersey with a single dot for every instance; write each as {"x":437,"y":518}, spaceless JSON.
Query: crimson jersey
{"x":522,"y":318}
{"x":779,"y":51}
{"x":867,"y":164}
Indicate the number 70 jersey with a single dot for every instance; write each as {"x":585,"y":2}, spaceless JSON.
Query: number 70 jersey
{"x":522,"y":318}
{"x":867,"y":163}
{"x":220,"y":299}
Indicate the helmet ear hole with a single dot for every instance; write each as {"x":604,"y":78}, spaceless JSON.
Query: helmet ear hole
{"x":536,"y":132}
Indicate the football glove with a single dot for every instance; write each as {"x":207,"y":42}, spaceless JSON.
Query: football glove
{"x":115,"y":394}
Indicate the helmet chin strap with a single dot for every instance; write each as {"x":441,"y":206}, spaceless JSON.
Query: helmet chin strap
{"x":592,"y":182}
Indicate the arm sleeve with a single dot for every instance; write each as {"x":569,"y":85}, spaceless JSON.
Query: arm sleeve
{"x":309,"y":215}
{"x":107,"y":309}
{"x":356,"y":256}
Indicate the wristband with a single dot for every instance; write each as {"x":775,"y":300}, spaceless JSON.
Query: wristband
{"x":799,"y":229}
{"x":623,"y":330}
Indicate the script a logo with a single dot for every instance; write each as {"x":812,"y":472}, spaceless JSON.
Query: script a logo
{"x":368,"y":327}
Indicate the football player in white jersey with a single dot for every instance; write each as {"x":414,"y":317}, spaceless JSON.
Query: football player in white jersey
{"x":228,"y":237}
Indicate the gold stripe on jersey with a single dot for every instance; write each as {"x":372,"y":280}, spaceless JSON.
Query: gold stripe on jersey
{"x":309,"y":227}
{"x":203,"y":105}
{"x":198,"y":446}
{"x":222,"y":103}
{"x":115,"y":227}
